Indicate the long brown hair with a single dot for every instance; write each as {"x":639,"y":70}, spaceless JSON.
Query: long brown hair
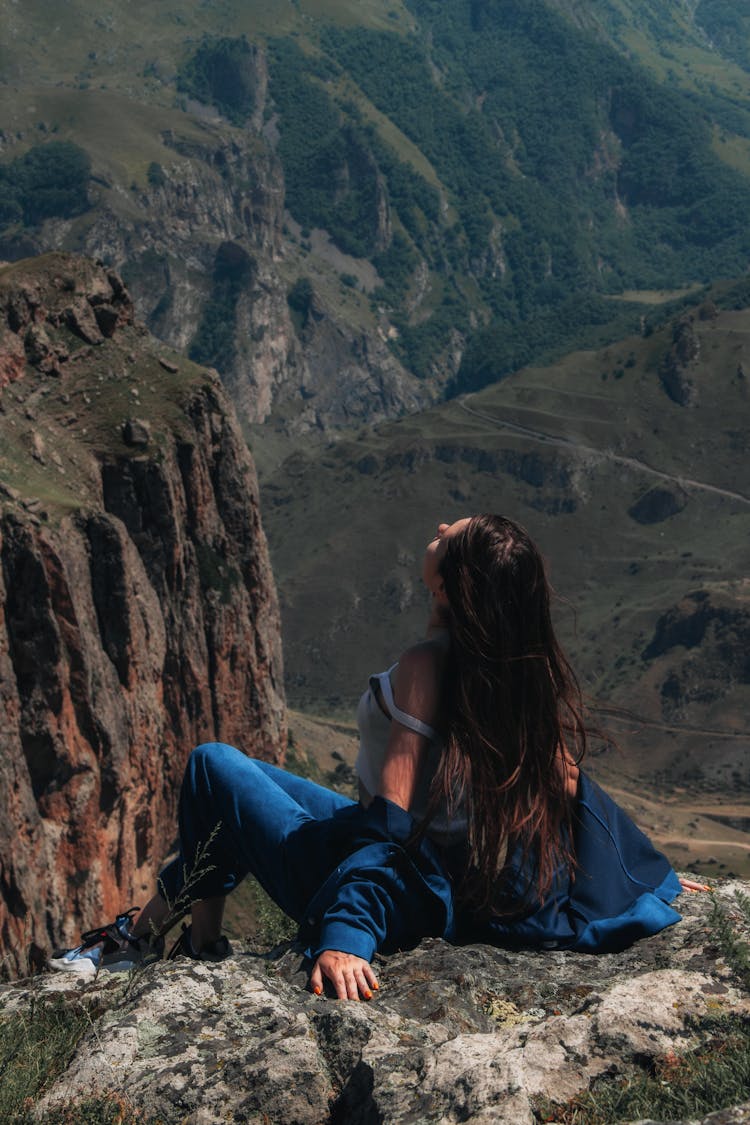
{"x":514,"y":709}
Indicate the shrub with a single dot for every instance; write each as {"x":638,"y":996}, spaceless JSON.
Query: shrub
{"x":49,"y":181}
{"x":300,"y":296}
{"x":222,"y":73}
{"x":214,"y":340}
{"x":155,"y":174}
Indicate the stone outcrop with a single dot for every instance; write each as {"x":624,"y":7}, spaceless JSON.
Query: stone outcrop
{"x":470,"y":1034}
{"x":704,"y":642}
{"x":348,"y":376}
{"x":675,"y":369}
{"x":138,"y":615}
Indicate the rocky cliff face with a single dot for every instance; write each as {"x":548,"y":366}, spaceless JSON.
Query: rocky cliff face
{"x":138,"y":614}
{"x":221,"y":187}
{"x":211,"y":193}
{"x":470,"y":1034}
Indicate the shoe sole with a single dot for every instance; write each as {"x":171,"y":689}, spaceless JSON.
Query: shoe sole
{"x":125,"y":963}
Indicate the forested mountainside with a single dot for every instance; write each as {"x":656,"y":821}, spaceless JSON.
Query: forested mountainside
{"x":353,"y":210}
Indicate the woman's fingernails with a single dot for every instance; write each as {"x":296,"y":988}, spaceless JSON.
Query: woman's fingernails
{"x":368,"y":995}
{"x":317,"y":990}
{"x":376,"y":987}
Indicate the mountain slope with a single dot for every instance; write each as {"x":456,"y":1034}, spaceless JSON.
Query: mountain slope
{"x":628,"y":464}
{"x":464,"y":181}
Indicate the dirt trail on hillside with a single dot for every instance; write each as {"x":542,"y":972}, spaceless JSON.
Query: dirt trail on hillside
{"x":695,"y":806}
{"x":635,"y":724}
{"x":603,"y":454}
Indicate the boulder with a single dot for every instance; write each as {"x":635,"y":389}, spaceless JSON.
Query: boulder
{"x":136,"y":432}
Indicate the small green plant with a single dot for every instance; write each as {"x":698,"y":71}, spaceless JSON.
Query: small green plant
{"x":269,"y":924}
{"x":300,"y":299}
{"x":180,"y":906}
{"x":216,"y":573}
{"x":155,"y":175}
{"x":300,"y":295}
{"x":36,"y":1044}
{"x":735,"y":949}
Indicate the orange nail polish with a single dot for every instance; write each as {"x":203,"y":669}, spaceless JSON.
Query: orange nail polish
{"x":317,"y":990}
{"x":376,"y":987}
{"x":368,"y":995}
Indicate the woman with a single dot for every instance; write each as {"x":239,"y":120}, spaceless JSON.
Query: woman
{"x":474,"y":818}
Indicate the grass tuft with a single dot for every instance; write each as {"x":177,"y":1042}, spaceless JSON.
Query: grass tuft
{"x":714,"y":1076}
{"x":108,"y":1109}
{"x":36,"y":1045}
{"x":708,"y":1078}
{"x":735,"y":949}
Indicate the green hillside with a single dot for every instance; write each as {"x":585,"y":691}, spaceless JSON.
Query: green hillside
{"x":642,"y":506}
{"x":508,"y":167}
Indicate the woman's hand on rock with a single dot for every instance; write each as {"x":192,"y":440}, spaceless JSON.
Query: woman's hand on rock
{"x":691,"y":885}
{"x":350,"y":976}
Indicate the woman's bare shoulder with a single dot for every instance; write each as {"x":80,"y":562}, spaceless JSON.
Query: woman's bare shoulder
{"x":425,"y":658}
{"x":418,"y":679}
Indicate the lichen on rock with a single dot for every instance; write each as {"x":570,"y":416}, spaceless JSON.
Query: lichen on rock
{"x":245,"y":1041}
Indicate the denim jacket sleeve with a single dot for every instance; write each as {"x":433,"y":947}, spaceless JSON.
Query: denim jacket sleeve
{"x":386,"y":893}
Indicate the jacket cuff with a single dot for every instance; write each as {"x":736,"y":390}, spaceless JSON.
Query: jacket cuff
{"x":344,"y":938}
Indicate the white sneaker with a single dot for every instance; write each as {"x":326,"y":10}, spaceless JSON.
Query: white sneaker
{"x":112,"y":948}
{"x":83,"y":960}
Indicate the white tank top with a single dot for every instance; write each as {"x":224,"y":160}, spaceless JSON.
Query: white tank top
{"x":374,"y":730}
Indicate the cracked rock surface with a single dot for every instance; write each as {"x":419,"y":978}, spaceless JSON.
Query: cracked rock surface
{"x":455,"y":1034}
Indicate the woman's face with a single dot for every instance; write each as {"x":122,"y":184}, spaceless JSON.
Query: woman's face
{"x":436,"y":550}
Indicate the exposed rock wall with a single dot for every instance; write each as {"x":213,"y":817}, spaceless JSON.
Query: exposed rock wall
{"x":220,"y":190}
{"x":212,"y":193}
{"x":138,"y":615}
{"x":675,"y":370}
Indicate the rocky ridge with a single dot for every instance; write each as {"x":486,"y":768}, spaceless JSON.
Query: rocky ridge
{"x":138,"y":614}
{"x":470,"y":1034}
{"x":225,"y":188}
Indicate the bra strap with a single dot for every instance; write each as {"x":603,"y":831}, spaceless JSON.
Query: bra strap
{"x":408,"y":721}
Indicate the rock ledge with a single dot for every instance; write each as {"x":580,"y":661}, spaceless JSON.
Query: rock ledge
{"x":456,"y":1034}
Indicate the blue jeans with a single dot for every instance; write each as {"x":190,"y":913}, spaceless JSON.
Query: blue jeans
{"x":265,"y":822}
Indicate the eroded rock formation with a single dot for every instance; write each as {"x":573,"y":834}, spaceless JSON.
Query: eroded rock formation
{"x":214,"y":193}
{"x":675,"y":371}
{"x":470,"y":1034}
{"x":138,"y":614}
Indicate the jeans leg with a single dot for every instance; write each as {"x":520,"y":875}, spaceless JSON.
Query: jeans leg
{"x":315,"y":799}
{"x":251,"y":808}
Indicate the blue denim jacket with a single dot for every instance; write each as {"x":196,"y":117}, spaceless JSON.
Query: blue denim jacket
{"x":387,"y":892}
